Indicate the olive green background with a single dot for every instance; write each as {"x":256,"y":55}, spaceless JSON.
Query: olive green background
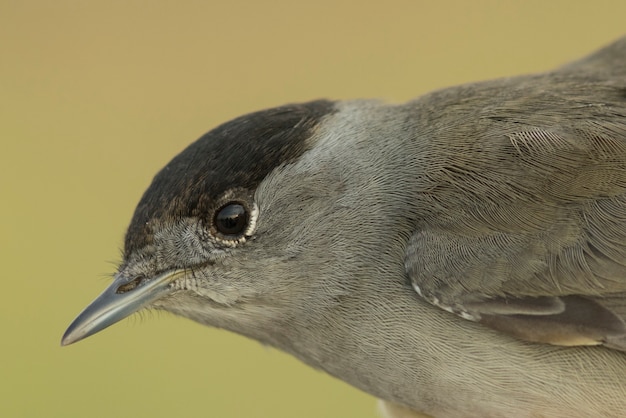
{"x":96,"y":96}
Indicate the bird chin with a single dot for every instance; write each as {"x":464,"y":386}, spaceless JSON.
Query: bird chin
{"x":246,"y":318}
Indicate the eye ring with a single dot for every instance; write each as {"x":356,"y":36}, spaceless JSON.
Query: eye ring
{"x":231,"y":220}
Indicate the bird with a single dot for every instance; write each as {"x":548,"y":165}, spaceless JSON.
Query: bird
{"x":462,"y":254}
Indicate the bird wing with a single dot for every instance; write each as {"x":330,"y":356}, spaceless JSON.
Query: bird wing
{"x":526,"y":231}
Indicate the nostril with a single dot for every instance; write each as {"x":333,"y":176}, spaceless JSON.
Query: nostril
{"x":133,"y":284}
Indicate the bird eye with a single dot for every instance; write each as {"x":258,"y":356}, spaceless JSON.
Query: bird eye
{"x":231,"y":219}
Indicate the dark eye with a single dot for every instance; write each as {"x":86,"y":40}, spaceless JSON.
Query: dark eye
{"x":231,"y":219}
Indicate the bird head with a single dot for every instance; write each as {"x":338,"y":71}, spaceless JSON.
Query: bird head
{"x":235,"y":231}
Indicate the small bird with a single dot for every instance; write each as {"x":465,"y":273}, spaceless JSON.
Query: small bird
{"x":459,"y":255}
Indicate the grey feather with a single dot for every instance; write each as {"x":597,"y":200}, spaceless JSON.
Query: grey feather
{"x":533,"y":206}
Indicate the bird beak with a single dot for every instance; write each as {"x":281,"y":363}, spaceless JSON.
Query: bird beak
{"x":123,"y":297}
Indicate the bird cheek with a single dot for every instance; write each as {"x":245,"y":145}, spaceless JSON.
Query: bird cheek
{"x":213,"y":288}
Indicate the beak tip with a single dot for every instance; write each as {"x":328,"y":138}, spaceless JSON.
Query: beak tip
{"x":66,"y":341}
{"x":70,"y":337}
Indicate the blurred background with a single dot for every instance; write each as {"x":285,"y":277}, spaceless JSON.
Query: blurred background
{"x":96,"y":96}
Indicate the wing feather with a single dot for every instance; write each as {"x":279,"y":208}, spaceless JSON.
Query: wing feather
{"x":527,"y":231}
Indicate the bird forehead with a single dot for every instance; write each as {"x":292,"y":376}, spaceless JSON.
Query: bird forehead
{"x":236,"y":155}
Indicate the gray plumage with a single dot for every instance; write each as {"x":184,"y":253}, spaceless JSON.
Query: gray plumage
{"x":460,"y":255}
